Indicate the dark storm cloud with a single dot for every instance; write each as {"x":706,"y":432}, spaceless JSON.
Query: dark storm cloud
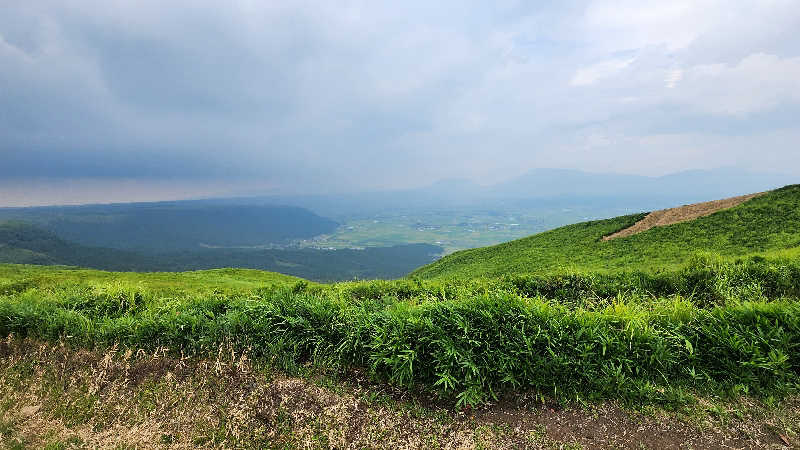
{"x":353,"y":95}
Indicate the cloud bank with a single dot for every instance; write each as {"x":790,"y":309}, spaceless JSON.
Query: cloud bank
{"x":296,"y":96}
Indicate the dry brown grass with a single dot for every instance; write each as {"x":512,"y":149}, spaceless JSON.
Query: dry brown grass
{"x":680,"y":214}
{"x":68,"y":398}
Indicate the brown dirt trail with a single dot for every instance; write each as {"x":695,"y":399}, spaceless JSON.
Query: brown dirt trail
{"x":680,"y":214}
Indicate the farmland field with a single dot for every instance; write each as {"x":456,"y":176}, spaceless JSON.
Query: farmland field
{"x":452,"y":230}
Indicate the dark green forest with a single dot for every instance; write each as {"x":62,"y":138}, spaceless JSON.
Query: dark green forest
{"x":28,"y":244}
{"x":170,"y":226}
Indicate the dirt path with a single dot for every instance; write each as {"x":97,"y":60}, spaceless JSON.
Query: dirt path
{"x":57,"y":397}
{"x":680,"y":214}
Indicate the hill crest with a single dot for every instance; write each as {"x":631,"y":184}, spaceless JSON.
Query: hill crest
{"x":679,"y":214}
{"x":762,"y":225}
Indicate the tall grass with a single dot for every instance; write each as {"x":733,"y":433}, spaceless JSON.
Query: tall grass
{"x":731,"y":326}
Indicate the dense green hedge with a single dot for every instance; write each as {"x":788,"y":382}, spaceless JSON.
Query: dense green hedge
{"x":732,"y":326}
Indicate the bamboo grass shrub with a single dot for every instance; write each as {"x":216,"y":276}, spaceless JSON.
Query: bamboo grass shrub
{"x":714,"y":325}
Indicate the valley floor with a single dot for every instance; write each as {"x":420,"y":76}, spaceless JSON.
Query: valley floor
{"x":53,"y":396}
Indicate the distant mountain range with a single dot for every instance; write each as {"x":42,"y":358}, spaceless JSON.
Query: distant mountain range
{"x":548,"y":187}
{"x":693,"y":186}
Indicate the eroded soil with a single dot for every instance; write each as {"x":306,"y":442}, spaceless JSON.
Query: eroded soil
{"x":56,"y":396}
{"x":680,"y":214}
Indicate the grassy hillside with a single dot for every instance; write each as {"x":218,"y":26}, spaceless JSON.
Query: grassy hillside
{"x":173,"y":226}
{"x":765,"y":224}
{"x":23,"y":243}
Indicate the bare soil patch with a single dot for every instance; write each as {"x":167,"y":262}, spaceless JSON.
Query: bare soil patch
{"x":52,"y":395}
{"x":680,"y":214}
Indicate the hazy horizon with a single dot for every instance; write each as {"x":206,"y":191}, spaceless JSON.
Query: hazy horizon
{"x":73,"y":192}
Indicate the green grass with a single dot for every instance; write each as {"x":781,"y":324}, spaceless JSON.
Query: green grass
{"x":711,"y":326}
{"x":770,"y":223}
{"x":17,"y":277}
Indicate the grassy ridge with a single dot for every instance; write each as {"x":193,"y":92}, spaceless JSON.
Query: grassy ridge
{"x":738,"y":329}
{"x":764,"y":224}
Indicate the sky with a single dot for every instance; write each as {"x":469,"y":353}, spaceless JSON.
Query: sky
{"x":138,"y":100}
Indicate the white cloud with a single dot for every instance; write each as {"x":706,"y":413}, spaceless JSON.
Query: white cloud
{"x":604,"y":69}
{"x":673,"y":77}
{"x":696,"y":31}
{"x":630,"y":24}
{"x":758,"y":82}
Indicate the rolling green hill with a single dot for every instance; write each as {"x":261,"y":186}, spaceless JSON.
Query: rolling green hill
{"x":173,"y":226}
{"x":765,"y":224}
{"x":23,"y":243}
